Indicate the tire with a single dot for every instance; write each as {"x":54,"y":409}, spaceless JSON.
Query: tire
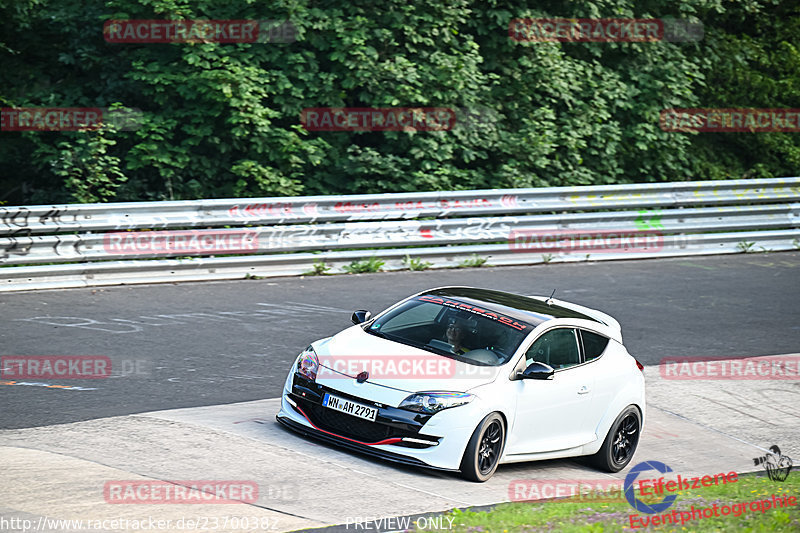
{"x":620,"y":443}
{"x":484,"y":449}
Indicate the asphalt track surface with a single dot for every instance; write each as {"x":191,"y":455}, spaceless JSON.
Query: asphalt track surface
{"x":197,"y":344}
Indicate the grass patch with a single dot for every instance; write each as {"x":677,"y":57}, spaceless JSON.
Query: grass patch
{"x":415,"y":263}
{"x":319,"y":268}
{"x":576,"y":515}
{"x":473,"y":261}
{"x":746,"y":247}
{"x":372,"y":264}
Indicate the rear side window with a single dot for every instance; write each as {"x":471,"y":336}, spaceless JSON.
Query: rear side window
{"x":594,"y":344}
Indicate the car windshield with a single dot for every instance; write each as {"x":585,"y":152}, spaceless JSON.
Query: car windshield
{"x":453,"y":329}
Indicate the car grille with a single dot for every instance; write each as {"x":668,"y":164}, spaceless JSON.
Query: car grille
{"x":348,"y":426}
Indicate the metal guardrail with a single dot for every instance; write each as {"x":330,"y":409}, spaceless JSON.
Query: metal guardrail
{"x":512,"y":226}
{"x":55,"y":219}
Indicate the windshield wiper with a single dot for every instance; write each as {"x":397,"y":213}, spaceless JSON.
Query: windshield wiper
{"x":433,"y":349}
{"x":379,"y":334}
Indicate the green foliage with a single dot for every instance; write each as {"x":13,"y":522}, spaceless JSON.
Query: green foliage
{"x":89,"y":172}
{"x":319,"y":268}
{"x":610,"y":512}
{"x":415,"y":263}
{"x":473,"y":261}
{"x":372,"y":264}
{"x":746,"y":247}
{"x":222,"y":120}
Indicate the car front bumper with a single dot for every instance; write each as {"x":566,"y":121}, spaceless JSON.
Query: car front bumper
{"x":432,"y":441}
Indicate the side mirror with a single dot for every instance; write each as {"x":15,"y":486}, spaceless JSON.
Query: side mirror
{"x":360,"y":316}
{"x":536,"y":370}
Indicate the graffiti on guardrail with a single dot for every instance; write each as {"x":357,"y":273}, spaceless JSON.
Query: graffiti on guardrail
{"x":12,"y":244}
{"x":477,"y":229}
{"x":57,"y":216}
{"x":20,"y":217}
{"x":644,"y":231}
{"x":17,"y":217}
{"x":355,"y":207}
{"x":313,"y":209}
{"x":151,"y":215}
{"x":262,"y":210}
{"x":719,"y":214}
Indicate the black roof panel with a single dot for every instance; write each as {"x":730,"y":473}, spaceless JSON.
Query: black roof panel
{"x":530,"y":310}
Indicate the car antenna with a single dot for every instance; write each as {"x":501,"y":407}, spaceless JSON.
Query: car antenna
{"x":549,"y":301}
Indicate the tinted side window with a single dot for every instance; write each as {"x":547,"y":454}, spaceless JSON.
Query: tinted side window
{"x":557,"y":348}
{"x":593,"y":344}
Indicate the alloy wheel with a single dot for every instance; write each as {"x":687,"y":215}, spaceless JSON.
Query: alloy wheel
{"x":626,"y":439}
{"x":489,"y":450}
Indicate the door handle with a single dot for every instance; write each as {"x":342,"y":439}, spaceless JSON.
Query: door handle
{"x":583,"y":390}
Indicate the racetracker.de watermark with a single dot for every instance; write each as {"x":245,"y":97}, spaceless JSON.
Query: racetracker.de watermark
{"x":600,"y":30}
{"x":202,"y":491}
{"x":592,"y":241}
{"x":729,"y":120}
{"x":589,"y":490}
{"x":378,"y":118}
{"x":55,"y":367}
{"x":399,"y":367}
{"x":69,"y":118}
{"x":190,"y":241}
{"x":199,"y":31}
{"x":772,"y":367}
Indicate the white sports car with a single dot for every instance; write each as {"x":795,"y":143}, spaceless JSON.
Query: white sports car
{"x":463,"y":379}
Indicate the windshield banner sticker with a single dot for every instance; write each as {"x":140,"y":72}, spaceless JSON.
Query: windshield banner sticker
{"x":477,"y":310}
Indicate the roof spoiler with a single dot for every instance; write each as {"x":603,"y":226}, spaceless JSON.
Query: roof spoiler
{"x":594,"y":313}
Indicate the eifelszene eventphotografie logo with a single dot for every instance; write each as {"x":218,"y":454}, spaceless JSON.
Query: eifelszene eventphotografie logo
{"x":653,"y":488}
{"x":636,"y":503}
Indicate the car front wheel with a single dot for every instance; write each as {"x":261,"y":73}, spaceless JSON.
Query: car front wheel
{"x":621,"y":442}
{"x":484,"y":449}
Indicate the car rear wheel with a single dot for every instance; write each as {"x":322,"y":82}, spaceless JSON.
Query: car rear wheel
{"x":620,"y":443}
{"x":484,"y":449}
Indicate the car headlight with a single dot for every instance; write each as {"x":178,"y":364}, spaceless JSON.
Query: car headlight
{"x":308,"y":363}
{"x":433,"y":402}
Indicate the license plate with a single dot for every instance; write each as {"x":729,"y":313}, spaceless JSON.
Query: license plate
{"x":349,"y":407}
